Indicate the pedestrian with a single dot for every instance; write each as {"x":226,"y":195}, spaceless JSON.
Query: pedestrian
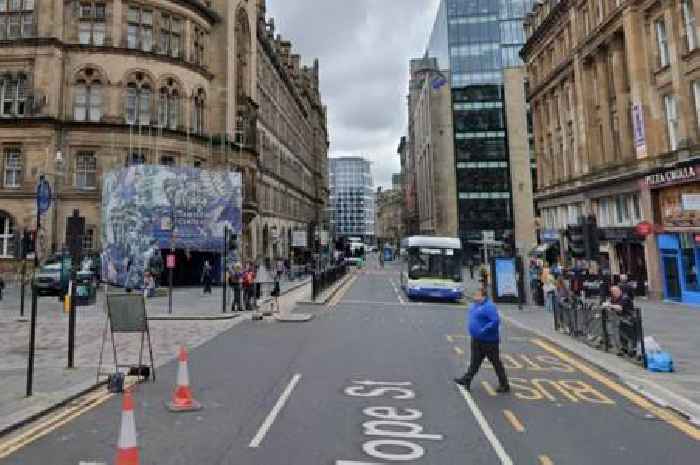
{"x":484,"y":273}
{"x":621,"y":322}
{"x":471,"y":269}
{"x":482,"y":324}
{"x":206,"y":277}
{"x":549,"y":288}
{"x":280,"y":268}
{"x":148,"y":285}
{"x":562,"y":296}
{"x":234,"y":280}
{"x":248,"y":280}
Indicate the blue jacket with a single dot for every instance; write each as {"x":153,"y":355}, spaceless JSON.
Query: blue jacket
{"x":483,"y":322}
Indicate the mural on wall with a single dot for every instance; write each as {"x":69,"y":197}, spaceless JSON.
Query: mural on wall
{"x":147,"y":208}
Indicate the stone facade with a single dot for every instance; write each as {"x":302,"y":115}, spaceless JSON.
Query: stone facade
{"x":389,"y":223}
{"x":432,"y":152}
{"x":105,"y":84}
{"x":615,"y":96}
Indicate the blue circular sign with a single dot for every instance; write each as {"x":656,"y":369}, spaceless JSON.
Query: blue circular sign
{"x":43,"y":196}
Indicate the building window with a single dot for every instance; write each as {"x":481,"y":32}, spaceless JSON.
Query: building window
{"x":89,"y":240}
{"x":696,"y":98}
{"x":136,"y":157}
{"x":87,"y":102}
{"x":140,"y":29}
{"x":662,"y":42}
{"x":138,"y":100}
{"x":198,"y":46}
{"x":670,"y":105}
{"x":85,"y":170}
{"x":7,"y":236}
{"x":169,"y":106}
{"x":170,"y":35}
{"x":198,"y":112}
{"x":168,"y":160}
{"x":16,"y":19}
{"x":13,"y":95}
{"x":689,"y":24}
{"x":636,"y":207}
{"x":689,"y":259}
{"x":92,"y":23}
{"x":13,"y":167}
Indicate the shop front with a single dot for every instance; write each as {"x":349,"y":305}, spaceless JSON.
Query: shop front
{"x":676,"y":201}
{"x":624,"y":250}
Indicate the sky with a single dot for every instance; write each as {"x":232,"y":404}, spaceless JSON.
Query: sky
{"x":364,"y":47}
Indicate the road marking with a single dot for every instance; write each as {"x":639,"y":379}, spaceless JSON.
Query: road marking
{"x":53,"y":422}
{"x":341,"y":293}
{"x":488,"y":432}
{"x":636,"y":399}
{"x":490,"y":390}
{"x":458,"y":350}
{"x":450,"y":339}
{"x":544,"y":460}
{"x":513,"y":420}
{"x":267,"y":424}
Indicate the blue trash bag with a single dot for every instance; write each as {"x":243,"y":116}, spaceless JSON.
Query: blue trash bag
{"x":660,"y":362}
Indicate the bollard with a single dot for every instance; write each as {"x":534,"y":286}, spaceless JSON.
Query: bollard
{"x":606,"y":339}
{"x":556,"y":317}
{"x":32,"y":342}
{"x":640,"y":334}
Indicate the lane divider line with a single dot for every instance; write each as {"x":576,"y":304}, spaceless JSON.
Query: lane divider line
{"x":544,"y":460}
{"x":267,"y":424}
{"x":489,"y":389}
{"x":484,"y":425}
{"x":514,"y":422}
{"x":636,"y":399}
{"x":458,"y":350}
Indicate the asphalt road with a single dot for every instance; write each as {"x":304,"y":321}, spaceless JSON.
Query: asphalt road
{"x":369,"y":381}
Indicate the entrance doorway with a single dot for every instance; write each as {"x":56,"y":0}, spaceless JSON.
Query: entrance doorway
{"x":672,"y":278}
{"x":189,"y":266}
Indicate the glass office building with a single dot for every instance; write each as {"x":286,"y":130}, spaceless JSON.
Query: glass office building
{"x":352,"y":198}
{"x":476,"y":40}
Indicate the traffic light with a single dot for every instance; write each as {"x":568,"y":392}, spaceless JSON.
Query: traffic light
{"x":591,"y":238}
{"x":576,"y":236}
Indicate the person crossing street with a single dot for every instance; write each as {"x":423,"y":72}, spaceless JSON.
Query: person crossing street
{"x":482,"y":324}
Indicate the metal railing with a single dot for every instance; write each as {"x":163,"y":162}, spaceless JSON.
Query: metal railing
{"x":322,"y":280}
{"x":601,"y":327}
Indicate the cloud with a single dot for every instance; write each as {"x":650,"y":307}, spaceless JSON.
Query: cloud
{"x":364,"y":47}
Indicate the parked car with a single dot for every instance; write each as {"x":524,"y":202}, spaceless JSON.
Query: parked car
{"x":52,"y":279}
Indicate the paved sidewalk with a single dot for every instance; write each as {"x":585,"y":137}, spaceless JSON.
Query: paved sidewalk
{"x":675,"y":328}
{"x":54,"y":383}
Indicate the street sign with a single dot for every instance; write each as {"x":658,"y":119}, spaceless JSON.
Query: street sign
{"x":43,"y":195}
{"x":170,"y":261}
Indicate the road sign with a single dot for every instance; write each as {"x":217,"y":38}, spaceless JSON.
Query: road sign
{"x":43,"y":195}
{"x":170,"y":261}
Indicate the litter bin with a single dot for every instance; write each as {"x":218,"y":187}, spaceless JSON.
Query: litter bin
{"x":85,"y":289}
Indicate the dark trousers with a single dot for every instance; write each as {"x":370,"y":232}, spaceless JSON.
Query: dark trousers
{"x":207,"y":285}
{"x":236,"y":305}
{"x":491,"y":351}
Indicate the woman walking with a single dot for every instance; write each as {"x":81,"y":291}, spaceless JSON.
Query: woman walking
{"x":206,"y":277}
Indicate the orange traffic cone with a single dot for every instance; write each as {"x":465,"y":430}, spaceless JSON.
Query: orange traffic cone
{"x":127,"y":449}
{"x":182,"y":400}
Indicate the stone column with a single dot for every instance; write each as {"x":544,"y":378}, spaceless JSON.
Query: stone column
{"x":583,"y":111}
{"x":601,"y":64}
{"x":622,"y":100}
{"x":681,"y":90}
{"x":651,"y":247}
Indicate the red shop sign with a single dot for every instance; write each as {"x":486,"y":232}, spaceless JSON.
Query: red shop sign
{"x":644,"y":229}
{"x":697,"y":238}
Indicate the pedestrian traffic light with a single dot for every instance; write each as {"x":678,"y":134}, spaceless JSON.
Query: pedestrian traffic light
{"x":576,"y":240}
{"x":591,"y":238}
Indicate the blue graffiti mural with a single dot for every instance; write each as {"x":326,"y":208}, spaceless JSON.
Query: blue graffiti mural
{"x":146,"y":208}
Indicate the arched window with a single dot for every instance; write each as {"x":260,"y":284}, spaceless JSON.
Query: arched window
{"x":198,"y":125}
{"x":87,"y":96}
{"x":7,"y":236}
{"x":139,"y":93}
{"x":169,"y":105}
{"x":13,"y":95}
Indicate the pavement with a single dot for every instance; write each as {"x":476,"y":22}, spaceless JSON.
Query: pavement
{"x":367,"y":382}
{"x":674,"y":326}
{"x":195,"y":319}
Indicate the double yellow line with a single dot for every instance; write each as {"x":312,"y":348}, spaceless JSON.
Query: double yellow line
{"x":342,"y":291}
{"x":55,"y":420}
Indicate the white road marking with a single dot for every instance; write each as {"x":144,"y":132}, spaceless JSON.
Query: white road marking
{"x":267,"y":424}
{"x":488,"y":432}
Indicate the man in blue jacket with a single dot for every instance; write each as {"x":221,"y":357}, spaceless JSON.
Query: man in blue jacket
{"x":482,"y":324}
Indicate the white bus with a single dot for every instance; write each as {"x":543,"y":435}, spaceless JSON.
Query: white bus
{"x":431,"y":267}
